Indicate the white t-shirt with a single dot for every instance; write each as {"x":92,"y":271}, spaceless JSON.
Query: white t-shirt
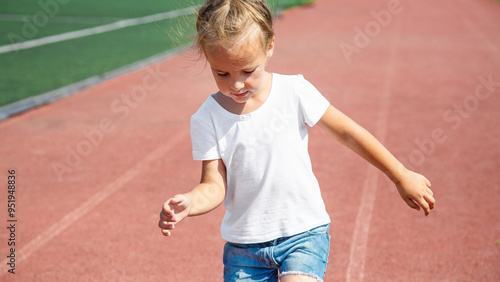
{"x":271,"y":189}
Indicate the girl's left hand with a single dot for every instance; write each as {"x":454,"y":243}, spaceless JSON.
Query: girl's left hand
{"x":415,"y":190}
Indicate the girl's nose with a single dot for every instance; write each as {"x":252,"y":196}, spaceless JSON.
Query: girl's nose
{"x":237,"y":85}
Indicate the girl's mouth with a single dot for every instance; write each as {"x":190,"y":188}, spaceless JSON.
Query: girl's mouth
{"x":241,"y":94}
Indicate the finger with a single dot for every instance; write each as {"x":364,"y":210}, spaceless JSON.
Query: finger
{"x":172,"y":203}
{"x":175,"y":200}
{"x":430,"y":191}
{"x":165,"y":225}
{"x":168,"y":216}
{"x":427,"y":210}
{"x":424,"y":205}
{"x":169,"y":206}
{"x":411,"y":203}
{"x":166,"y":210}
{"x":164,"y":216}
{"x":427,"y":182}
{"x":430,"y":200}
{"x":175,"y":203}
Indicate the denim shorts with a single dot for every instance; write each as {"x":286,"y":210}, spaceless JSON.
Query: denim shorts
{"x":305,"y":253}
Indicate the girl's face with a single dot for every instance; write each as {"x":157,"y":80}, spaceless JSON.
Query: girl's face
{"x":240,"y":71}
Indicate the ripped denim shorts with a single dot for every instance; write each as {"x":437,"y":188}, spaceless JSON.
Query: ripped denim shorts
{"x":305,"y":253}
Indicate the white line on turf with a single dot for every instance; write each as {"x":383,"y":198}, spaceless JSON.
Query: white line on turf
{"x":60,"y":19}
{"x":96,"y":30}
{"x":106,"y":191}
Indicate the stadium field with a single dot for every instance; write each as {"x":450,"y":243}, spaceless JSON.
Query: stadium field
{"x":75,"y":40}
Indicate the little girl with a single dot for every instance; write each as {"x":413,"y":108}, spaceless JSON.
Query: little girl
{"x":252,"y":137}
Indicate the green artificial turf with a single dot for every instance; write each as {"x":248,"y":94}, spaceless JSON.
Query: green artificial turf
{"x":31,"y":72}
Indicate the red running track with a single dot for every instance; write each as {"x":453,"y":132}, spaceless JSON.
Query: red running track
{"x":93,"y":170}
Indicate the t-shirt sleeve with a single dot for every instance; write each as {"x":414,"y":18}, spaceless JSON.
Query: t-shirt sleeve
{"x":312,"y":103}
{"x":203,"y":139}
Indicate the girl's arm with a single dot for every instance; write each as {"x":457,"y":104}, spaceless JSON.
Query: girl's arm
{"x":205,"y":197}
{"x":413,"y":188}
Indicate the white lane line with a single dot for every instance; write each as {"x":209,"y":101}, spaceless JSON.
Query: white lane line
{"x":72,"y":217}
{"x":59,"y":19}
{"x":355,"y":269}
{"x":96,"y":30}
{"x":359,"y":242}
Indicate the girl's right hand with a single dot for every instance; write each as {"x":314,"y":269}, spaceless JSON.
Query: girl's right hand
{"x":174,"y":210}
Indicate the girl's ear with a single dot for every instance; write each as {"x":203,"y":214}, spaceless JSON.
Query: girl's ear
{"x":270,"y":50}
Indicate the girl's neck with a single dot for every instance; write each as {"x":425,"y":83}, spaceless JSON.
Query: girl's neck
{"x":255,"y":102}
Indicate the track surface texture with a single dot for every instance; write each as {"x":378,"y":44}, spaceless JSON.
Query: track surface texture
{"x":93,"y":170}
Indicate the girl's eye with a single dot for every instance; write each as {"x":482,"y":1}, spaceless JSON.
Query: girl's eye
{"x":249,"y":72}
{"x":222,"y":74}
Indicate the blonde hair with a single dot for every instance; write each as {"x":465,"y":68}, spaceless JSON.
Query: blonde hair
{"x":222,"y":23}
